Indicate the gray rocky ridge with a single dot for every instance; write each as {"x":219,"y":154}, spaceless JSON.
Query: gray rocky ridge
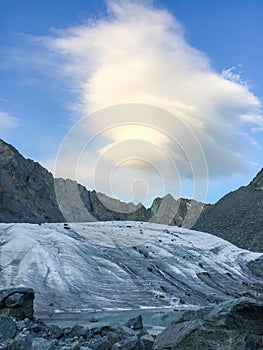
{"x":238,"y":216}
{"x":29,"y":193}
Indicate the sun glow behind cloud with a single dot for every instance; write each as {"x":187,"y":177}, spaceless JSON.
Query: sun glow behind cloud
{"x":138,"y":54}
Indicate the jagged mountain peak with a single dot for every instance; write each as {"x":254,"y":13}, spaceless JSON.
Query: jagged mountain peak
{"x":29,"y":193}
{"x":257,"y":182}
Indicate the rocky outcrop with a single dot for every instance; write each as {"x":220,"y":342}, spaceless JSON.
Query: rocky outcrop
{"x":80,"y":205}
{"x":182,"y":212}
{"x":232,"y":325}
{"x":237,"y":217}
{"x":29,"y":193}
{"x":26,"y":189}
{"x":17,"y":303}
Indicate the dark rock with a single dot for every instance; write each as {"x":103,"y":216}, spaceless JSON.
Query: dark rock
{"x":55,"y":332}
{"x":8,"y":328}
{"x":148,"y":341}
{"x":17,"y":302}
{"x":16,"y":299}
{"x":237,"y":217}
{"x":26,"y":189}
{"x":256,"y":267}
{"x":78,"y":331}
{"x":42,"y":344}
{"x":23,"y":341}
{"x":135,"y":323}
{"x":124,"y":331}
{"x":232,"y":325}
{"x":103,"y":343}
{"x":129,"y":344}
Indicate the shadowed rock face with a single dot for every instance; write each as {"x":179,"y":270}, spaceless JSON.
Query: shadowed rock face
{"x":26,"y":189}
{"x":233,"y":325}
{"x":237,"y":217}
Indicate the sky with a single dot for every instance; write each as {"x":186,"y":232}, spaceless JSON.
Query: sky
{"x":136,"y":99}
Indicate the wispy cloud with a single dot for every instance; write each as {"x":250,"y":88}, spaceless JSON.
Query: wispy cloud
{"x":139,"y":54}
{"x":7,"y":121}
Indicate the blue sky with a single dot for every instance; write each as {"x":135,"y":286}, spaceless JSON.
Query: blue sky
{"x":60,"y":63}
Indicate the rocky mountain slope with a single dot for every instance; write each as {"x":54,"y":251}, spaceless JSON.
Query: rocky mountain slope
{"x":104,"y":265}
{"x":238,"y":216}
{"x":26,"y":189}
{"x":29,"y":193}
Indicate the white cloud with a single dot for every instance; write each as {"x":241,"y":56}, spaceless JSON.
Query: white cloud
{"x":7,"y":121}
{"x":139,"y":54}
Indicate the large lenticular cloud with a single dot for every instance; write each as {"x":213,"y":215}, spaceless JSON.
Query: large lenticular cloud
{"x":138,"y":54}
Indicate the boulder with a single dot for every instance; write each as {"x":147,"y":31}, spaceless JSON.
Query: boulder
{"x":23,"y":341}
{"x":135,"y":323}
{"x":129,"y":344}
{"x":8,"y":328}
{"x":233,"y":325}
{"x":17,"y":302}
{"x":78,"y":331}
{"x":148,"y":341}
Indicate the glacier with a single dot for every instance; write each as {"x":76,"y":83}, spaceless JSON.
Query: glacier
{"x":123,"y":265}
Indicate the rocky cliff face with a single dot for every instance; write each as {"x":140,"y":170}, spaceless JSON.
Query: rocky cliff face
{"x":181,"y":212}
{"x":29,"y":193}
{"x":238,"y":216}
{"x":26,"y":189}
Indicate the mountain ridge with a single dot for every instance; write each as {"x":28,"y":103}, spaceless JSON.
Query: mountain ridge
{"x":30,"y":193}
{"x":238,"y":216}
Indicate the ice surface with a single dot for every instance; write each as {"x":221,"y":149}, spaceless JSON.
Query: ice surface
{"x":111,"y":265}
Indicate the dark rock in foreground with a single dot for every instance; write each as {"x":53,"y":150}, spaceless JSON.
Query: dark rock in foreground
{"x":232,"y":325}
{"x":17,"y":303}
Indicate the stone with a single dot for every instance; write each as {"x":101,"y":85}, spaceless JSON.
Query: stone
{"x":17,"y":302}
{"x":23,"y":341}
{"x":42,"y":344}
{"x":135,"y":323}
{"x":55,"y":332}
{"x":8,"y":328}
{"x":76,"y":345}
{"x":129,"y":344}
{"x":148,"y":341}
{"x":234,"y":325}
{"x":102,"y":343}
{"x":16,"y":299}
{"x":78,"y":331}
